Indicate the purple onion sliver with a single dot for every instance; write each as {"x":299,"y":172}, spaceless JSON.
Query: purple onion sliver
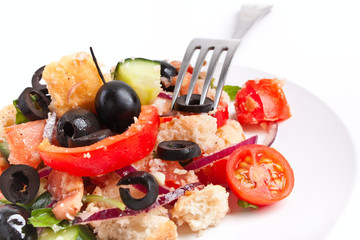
{"x":218,"y":155}
{"x":272,"y":132}
{"x":165,"y":96}
{"x":44,"y":172}
{"x":130,"y":168}
{"x":113,"y":213}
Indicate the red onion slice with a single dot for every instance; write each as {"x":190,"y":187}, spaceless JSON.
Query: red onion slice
{"x":113,"y":213}
{"x":130,"y":168}
{"x":165,"y":96}
{"x":218,"y":155}
{"x":44,"y":172}
{"x":272,"y":129}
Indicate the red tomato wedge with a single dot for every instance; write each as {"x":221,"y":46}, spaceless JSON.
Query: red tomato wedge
{"x":259,"y":174}
{"x":214,"y":173}
{"x":23,"y":140}
{"x":108,"y":154}
{"x":260,"y":101}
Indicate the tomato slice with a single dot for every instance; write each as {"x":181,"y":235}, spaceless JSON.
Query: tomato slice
{"x":261,"y":100}
{"x":259,"y":174}
{"x":108,"y":154}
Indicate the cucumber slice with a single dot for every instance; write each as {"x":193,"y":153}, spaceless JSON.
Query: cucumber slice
{"x":76,"y":232}
{"x":141,"y":74}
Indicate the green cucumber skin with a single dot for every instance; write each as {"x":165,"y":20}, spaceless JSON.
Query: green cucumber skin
{"x":141,"y":75}
{"x":76,"y":232}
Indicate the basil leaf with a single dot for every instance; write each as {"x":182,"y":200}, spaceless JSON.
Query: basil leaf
{"x":231,"y":91}
{"x":20,"y":118}
{"x":43,"y":201}
{"x":245,"y":204}
{"x":43,"y":217}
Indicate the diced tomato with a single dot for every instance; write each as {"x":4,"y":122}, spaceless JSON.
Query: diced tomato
{"x":23,"y":140}
{"x":108,"y":154}
{"x":259,"y":174}
{"x":222,"y":114}
{"x":185,"y":84}
{"x":260,"y":101}
{"x":177,"y":65}
{"x":214,"y":173}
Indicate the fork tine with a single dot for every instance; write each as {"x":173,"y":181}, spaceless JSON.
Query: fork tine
{"x":225,"y":67}
{"x":199,"y":62}
{"x":213,"y":61}
{"x":183,"y":68}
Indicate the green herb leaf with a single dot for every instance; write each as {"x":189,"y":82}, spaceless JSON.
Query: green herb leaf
{"x":42,"y":201}
{"x":43,"y":217}
{"x":20,"y":118}
{"x":245,"y":204}
{"x":4,"y":149}
{"x":231,"y":91}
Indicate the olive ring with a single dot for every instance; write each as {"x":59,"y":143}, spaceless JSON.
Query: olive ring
{"x":145,"y":179}
{"x":33,"y":109}
{"x":193,"y":105}
{"x":178,"y":150}
{"x":36,"y":81}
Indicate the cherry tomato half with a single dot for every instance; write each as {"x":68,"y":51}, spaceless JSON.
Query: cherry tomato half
{"x":260,"y":101}
{"x":259,"y":174}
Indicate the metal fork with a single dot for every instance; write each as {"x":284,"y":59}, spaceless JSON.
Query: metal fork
{"x":246,"y":17}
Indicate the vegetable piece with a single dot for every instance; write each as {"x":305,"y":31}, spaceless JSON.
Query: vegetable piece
{"x":43,"y":201}
{"x":130,"y":168}
{"x":35,"y":81}
{"x":145,"y":179}
{"x":20,"y":183}
{"x":259,"y":175}
{"x":108,"y":154}
{"x":201,"y":162}
{"x":76,"y":123}
{"x":114,"y":213}
{"x":44,"y":172}
{"x":78,"y":232}
{"x":221,"y":114}
{"x":260,"y":101}
{"x":90,"y":138}
{"x":168,"y":71}
{"x":20,"y":117}
{"x":193,"y":105}
{"x":117,"y":104}
{"x":43,"y":217}
{"x":13,"y":225}
{"x":245,"y":204}
{"x":33,"y":104}
{"x":231,"y":91}
{"x":141,"y":74}
{"x":178,"y":150}
{"x":15,"y":135}
{"x":96,"y":198}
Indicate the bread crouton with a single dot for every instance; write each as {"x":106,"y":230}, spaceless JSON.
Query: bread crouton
{"x":72,"y":82}
{"x":231,"y":132}
{"x":197,"y":128}
{"x":202,"y":208}
{"x":7,"y":118}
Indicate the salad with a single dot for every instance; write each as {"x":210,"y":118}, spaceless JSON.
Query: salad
{"x":93,"y":155}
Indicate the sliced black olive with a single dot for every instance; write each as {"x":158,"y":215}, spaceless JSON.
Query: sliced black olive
{"x":145,"y":179}
{"x":33,"y":104}
{"x":76,"y":123}
{"x":178,"y":150}
{"x":36,"y":81}
{"x":13,"y":223}
{"x":193,"y":105}
{"x":20,"y":183}
{"x":90,"y":139}
{"x":168,"y":71}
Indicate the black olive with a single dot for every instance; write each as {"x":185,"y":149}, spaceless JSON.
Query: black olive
{"x":145,"y":179}
{"x":76,"y":123}
{"x":193,"y":105}
{"x":33,"y":104}
{"x":36,"y":81}
{"x":168,"y":71}
{"x":20,"y":183}
{"x":13,"y":225}
{"x":117,"y":104}
{"x":178,"y":150}
{"x":90,"y":139}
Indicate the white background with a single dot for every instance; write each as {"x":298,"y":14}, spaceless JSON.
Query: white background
{"x":315,"y":44}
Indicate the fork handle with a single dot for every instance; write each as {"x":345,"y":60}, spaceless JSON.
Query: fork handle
{"x":247,"y":16}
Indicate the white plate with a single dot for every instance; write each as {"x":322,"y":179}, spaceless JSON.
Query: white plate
{"x":320,"y":151}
